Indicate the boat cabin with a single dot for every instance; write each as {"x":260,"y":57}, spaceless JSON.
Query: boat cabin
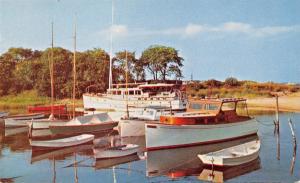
{"x":208,"y":111}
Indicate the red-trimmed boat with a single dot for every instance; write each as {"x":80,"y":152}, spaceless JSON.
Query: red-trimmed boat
{"x":206,"y":121}
{"x":47,"y":108}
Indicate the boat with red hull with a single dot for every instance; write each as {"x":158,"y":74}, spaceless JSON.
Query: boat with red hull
{"x":47,"y":108}
{"x":206,"y":121}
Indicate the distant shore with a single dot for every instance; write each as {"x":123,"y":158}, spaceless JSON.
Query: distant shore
{"x":289,"y":103}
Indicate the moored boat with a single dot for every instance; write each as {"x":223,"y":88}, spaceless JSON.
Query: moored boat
{"x":64,"y":142}
{"x":169,"y":94}
{"x":3,"y":114}
{"x":84,"y":124}
{"x":233,"y":156}
{"x":135,"y":124}
{"x":206,"y":121}
{"x":26,"y":116}
{"x":45,"y":123}
{"x":47,"y":108}
{"x":117,"y":151}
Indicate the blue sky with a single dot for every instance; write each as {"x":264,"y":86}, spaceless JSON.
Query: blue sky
{"x":251,"y":40}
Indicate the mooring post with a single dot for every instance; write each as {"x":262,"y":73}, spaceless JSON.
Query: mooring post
{"x":277,"y":115}
{"x":295,"y":146}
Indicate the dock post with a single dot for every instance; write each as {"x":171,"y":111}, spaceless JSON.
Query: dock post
{"x":294,"y":146}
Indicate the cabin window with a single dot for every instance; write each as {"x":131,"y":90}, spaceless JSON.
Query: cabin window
{"x":195,"y":106}
{"x":138,"y":92}
{"x":131,"y":92}
{"x":119,"y":92}
{"x":211,"y":106}
{"x":228,"y":106}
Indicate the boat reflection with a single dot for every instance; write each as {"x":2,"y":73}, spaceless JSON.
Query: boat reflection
{"x":223,"y":174}
{"x":110,"y":162}
{"x":164,"y":162}
{"x":62,"y":153}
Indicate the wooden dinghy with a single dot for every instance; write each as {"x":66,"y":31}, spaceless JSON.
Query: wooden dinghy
{"x":64,"y":142}
{"x":233,"y":156}
{"x":3,"y":114}
{"x":85,"y":124}
{"x":116,"y":152}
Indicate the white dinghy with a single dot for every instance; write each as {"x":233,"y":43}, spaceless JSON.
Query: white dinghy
{"x":3,"y":114}
{"x":116,"y":152}
{"x":64,"y":142}
{"x":232,"y":156}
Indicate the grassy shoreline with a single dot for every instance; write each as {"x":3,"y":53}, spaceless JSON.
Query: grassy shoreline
{"x":289,"y":103}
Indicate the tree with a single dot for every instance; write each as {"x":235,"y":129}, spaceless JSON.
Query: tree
{"x":162,"y":61}
{"x":120,"y":66}
{"x":62,"y":63}
{"x":231,"y":82}
{"x":92,"y":70}
{"x":7,"y":66}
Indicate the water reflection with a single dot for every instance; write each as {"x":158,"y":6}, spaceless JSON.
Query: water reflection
{"x":181,"y":164}
{"x":223,"y":174}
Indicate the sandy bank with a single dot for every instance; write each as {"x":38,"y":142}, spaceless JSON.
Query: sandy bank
{"x":290,"y":103}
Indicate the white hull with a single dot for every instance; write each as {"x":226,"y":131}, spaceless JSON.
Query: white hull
{"x":14,"y":131}
{"x":3,"y":114}
{"x":131,"y":128}
{"x":65,"y":142}
{"x":233,"y":156}
{"x":161,"y":136}
{"x":45,"y":123}
{"x":115,"y":153}
{"x":15,"y":123}
{"x":27,"y":116}
{"x":120,"y":103}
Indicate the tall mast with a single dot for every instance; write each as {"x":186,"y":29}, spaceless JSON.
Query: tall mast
{"x":51,"y":71}
{"x":126,"y":61}
{"x":111,"y":46}
{"x":74,"y":69}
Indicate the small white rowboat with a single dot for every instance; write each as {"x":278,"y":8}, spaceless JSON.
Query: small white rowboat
{"x":233,"y":156}
{"x":115,"y":152}
{"x":3,"y":114}
{"x":64,"y":142}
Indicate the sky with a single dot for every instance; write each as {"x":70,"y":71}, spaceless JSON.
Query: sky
{"x":250,"y":40}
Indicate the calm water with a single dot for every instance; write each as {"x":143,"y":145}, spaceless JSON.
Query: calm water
{"x":181,"y":165}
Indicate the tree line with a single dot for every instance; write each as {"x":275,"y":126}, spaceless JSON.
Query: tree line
{"x":25,"y":69}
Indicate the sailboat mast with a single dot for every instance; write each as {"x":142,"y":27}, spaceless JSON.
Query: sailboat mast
{"x":111,"y":46}
{"x":74,"y":70}
{"x":51,"y":70}
{"x":126,"y":83}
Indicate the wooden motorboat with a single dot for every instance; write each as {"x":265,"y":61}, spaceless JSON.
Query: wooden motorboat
{"x":117,"y":151}
{"x":3,"y":114}
{"x":233,"y":156}
{"x":47,"y":108}
{"x":206,"y":121}
{"x":85,"y":124}
{"x":64,"y":142}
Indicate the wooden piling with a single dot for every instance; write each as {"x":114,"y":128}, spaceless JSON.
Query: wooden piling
{"x":294,"y":146}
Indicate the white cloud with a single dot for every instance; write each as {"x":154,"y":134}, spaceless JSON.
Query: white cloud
{"x":192,"y":30}
{"x":117,"y":31}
